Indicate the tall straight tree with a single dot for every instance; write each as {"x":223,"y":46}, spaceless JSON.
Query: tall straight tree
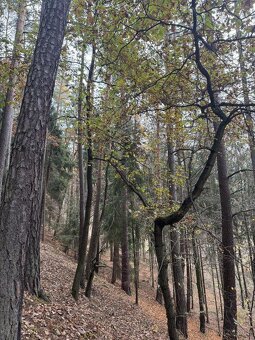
{"x":21,"y":201}
{"x":6,"y":127}
{"x":181,"y":312}
{"x":228,"y":259}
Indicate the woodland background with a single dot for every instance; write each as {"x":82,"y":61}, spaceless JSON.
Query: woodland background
{"x":144,"y":153}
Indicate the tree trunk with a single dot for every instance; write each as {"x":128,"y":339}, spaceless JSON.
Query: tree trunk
{"x":7,"y":121}
{"x":79,"y":274}
{"x":228,"y":268}
{"x":80,"y":148}
{"x":163,"y":282}
{"x":91,"y":257}
{"x":188,"y":273}
{"x":136,"y":244}
{"x":116,"y":262}
{"x":125,"y":270}
{"x":20,"y":207}
{"x":199,"y":284}
{"x":178,"y":276}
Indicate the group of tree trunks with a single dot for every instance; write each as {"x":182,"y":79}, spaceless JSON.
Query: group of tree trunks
{"x":22,"y":195}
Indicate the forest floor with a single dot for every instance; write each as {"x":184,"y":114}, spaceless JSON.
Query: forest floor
{"x":109,"y":314}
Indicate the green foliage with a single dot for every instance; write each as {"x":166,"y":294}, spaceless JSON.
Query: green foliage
{"x":60,"y":162}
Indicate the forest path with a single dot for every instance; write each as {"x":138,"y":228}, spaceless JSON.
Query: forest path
{"x":110,"y":314}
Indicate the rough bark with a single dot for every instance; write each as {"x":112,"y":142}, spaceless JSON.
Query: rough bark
{"x":20,"y":207}
{"x":80,"y":148}
{"x":163,"y":282}
{"x":7,"y":121}
{"x":178,"y":276}
{"x":228,"y":268}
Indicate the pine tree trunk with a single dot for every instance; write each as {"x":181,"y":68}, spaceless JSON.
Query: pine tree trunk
{"x":136,"y":243}
{"x":21,"y":203}
{"x":80,"y":149}
{"x":228,"y":268}
{"x":177,"y":263}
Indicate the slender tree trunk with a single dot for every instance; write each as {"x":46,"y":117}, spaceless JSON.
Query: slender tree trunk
{"x":151,"y":260}
{"x":178,"y":276}
{"x":188,"y":273}
{"x":7,"y":121}
{"x":136,"y":243}
{"x":214,"y":292}
{"x":79,"y":274}
{"x":116,"y":262}
{"x":45,"y":185}
{"x":203,"y":282}
{"x":228,"y":268}
{"x":125,"y":276}
{"x":199,"y":284}
{"x":20,"y":207}
{"x":91,"y":257}
{"x":80,"y":148}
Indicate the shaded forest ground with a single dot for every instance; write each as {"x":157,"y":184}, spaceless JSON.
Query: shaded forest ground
{"x":109,"y":314}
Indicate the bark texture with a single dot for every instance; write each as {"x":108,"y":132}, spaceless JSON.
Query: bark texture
{"x":21,"y":203}
{"x":178,"y":276}
{"x":228,"y":268}
{"x":163,"y":282}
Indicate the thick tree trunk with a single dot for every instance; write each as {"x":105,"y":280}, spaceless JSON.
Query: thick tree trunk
{"x":20,"y":207}
{"x":228,"y":268}
{"x":163,"y":282}
{"x":7,"y":121}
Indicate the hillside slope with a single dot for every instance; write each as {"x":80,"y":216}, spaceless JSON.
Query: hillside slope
{"x":110,"y":314}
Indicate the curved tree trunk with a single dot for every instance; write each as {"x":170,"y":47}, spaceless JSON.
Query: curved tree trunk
{"x":163,"y":282}
{"x":20,"y":207}
{"x":79,"y":274}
